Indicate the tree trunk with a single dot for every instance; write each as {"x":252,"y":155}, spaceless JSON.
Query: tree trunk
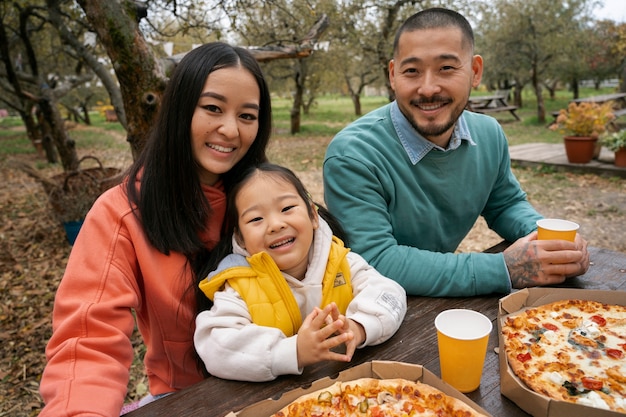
{"x":356,"y":101}
{"x":295,"y":110}
{"x":65,"y":146}
{"x":541,"y":107}
{"x":33,"y":133}
{"x":575,"y":88}
{"x":141,"y":77}
{"x":622,"y":84}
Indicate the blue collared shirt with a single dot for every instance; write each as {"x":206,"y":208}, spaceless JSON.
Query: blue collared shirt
{"x":415,"y":145}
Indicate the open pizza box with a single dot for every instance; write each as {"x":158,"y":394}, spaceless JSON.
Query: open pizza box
{"x":512,"y":387}
{"x":373,"y":369}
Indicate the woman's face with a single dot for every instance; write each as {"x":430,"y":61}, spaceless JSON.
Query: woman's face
{"x":225,"y":122}
{"x":273,"y":218}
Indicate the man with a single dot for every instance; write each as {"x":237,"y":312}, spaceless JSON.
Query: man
{"x":409,"y":180}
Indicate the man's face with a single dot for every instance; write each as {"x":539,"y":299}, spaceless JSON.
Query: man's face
{"x":432,"y":75}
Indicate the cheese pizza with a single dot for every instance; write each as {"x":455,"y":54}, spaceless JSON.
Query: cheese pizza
{"x":570,"y":350}
{"x":367,"y":397}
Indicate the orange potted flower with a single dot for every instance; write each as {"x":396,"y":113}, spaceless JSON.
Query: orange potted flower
{"x":581,"y":124}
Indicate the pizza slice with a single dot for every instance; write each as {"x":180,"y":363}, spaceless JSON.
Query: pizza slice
{"x":326,"y":402}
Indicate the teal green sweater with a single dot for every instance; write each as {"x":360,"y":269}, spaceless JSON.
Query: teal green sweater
{"x":407,"y":220}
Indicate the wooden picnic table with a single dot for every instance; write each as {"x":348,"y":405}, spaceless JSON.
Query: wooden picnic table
{"x":491,"y":104}
{"x":619,"y":98}
{"x":619,"y":101}
{"x":414,"y":342}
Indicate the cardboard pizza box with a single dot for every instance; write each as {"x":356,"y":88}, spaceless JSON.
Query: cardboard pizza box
{"x":373,"y":369}
{"x":511,"y":386}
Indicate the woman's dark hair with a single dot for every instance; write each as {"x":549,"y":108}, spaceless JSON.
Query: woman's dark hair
{"x":170,"y":202}
{"x":225,"y":247}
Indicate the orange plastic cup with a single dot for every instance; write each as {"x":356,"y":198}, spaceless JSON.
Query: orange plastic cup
{"x":556,"y":229}
{"x":462,"y":336}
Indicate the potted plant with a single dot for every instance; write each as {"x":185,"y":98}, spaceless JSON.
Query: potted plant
{"x":581,"y":124}
{"x":616,"y":142}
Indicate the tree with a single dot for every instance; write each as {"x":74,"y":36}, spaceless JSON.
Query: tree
{"x":527,"y":39}
{"x":278,"y":24}
{"x":601,"y":59}
{"x":353,"y":51}
{"x":35,"y":76}
{"x":141,"y":78}
{"x":618,"y":49}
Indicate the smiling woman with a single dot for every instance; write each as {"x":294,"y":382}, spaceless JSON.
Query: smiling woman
{"x":152,"y":234}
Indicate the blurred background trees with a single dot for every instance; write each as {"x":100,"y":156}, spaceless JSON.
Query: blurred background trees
{"x":59,"y":59}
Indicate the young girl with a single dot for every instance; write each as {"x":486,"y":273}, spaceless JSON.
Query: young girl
{"x":291,"y":291}
{"x":136,"y":255}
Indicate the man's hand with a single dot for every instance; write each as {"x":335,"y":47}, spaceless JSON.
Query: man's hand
{"x":320,"y":333}
{"x":533,"y":262}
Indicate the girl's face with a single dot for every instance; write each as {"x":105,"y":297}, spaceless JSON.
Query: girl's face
{"x":272,"y":217}
{"x":225,"y":122}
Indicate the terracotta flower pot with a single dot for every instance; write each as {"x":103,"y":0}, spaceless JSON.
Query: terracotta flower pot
{"x":579,"y":149}
{"x":620,"y":157}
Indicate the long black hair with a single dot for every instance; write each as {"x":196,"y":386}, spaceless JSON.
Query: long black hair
{"x":170,"y":203}
{"x":225,"y":246}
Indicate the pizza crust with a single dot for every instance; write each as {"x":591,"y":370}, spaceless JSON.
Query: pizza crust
{"x":371,"y":396}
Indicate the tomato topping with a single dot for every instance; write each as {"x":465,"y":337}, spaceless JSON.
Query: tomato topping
{"x":623,"y":346}
{"x":512,"y":335}
{"x":614,"y":353}
{"x":376,"y":412}
{"x":591,"y":383}
{"x":550,"y":326}
{"x":599,"y":320}
{"x":524,"y":357}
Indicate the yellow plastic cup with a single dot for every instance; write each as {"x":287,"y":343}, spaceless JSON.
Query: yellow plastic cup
{"x":551,"y":229}
{"x":462,"y":336}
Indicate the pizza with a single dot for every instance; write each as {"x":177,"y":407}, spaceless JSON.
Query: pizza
{"x":377,"y":398}
{"x":570,"y":350}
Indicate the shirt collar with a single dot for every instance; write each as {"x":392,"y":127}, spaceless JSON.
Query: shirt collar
{"x":415,"y":145}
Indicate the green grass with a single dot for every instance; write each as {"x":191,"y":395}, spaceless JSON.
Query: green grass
{"x":331,"y":113}
{"x":327,"y":116}
{"x":14,"y":141}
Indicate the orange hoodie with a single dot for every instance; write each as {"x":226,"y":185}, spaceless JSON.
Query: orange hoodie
{"x":112,"y":271}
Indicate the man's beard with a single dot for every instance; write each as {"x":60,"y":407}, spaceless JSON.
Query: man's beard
{"x":436,"y":129}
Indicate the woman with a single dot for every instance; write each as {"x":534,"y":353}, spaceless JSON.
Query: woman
{"x":143,"y":241}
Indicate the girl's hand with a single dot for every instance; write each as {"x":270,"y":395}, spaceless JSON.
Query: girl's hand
{"x":320,"y":333}
{"x":350,"y":326}
{"x":358,"y":338}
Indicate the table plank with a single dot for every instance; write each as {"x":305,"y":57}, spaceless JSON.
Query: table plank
{"x":491,"y":104}
{"x":415,"y":342}
{"x":602,"y":98}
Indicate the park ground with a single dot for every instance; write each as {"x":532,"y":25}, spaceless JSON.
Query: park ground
{"x":34,"y":251}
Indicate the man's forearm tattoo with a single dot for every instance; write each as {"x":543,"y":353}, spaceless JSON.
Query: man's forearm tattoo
{"x":523,"y":265}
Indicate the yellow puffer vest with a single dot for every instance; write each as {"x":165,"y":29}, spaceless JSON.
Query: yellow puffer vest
{"x":268,"y":296}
